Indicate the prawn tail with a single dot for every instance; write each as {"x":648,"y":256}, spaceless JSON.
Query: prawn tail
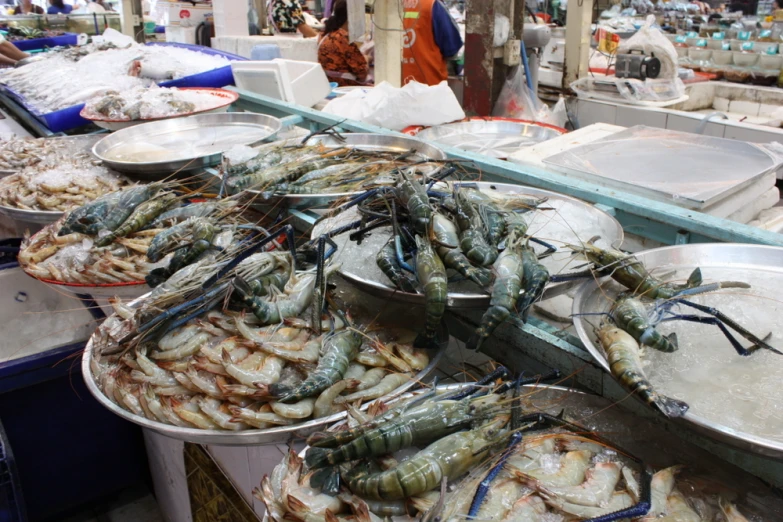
{"x":317,"y":458}
{"x":327,"y":480}
{"x":672,"y":408}
{"x":694,"y":279}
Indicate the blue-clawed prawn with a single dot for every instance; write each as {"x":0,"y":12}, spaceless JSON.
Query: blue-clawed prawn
{"x":447,"y":458}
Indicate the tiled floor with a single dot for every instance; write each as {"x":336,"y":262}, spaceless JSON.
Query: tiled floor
{"x":132,"y":505}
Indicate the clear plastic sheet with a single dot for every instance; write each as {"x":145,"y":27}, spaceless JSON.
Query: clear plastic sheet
{"x":691,"y":170}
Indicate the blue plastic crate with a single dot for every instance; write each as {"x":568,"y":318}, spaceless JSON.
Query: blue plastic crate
{"x":68,"y":118}
{"x":12,"y":507}
{"x":37,"y":44}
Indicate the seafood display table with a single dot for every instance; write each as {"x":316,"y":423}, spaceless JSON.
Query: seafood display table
{"x":539,"y":345}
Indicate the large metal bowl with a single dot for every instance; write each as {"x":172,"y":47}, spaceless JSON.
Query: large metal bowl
{"x":182,"y":144}
{"x":253,"y":437}
{"x":470,"y":296}
{"x":376,"y":142}
{"x":648,"y":441}
{"x":39,"y":217}
{"x":591,"y":298}
{"x":497,"y":138}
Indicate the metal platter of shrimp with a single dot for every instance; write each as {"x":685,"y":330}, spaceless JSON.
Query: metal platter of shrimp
{"x":463,"y":245}
{"x":248,"y":349}
{"x":449,"y":454}
{"x":322,"y":168}
{"x":133,"y":237}
{"x":648,"y":318}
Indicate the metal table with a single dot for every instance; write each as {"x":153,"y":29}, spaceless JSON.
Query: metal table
{"x":538,"y":345}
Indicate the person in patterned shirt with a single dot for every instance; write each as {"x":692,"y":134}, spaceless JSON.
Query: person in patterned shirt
{"x":342,"y":60}
{"x":288,"y":18}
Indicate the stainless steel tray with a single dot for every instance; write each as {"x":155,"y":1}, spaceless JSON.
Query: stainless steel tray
{"x":764,"y":261}
{"x":153,"y":150}
{"x":82,"y":143}
{"x":468,"y":295}
{"x":494,"y":138}
{"x":40,"y":217}
{"x":690,"y":170}
{"x":252,"y":437}
{"x":378,"y":142}
{"x":648,"y":441}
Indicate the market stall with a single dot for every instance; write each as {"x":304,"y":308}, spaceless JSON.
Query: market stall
{"x":278,"y":297}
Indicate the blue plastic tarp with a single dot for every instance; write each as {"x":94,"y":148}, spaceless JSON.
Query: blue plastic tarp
{"x":43,"y":43}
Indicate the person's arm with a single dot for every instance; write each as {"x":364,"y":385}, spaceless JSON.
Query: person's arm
{"x":306,"y":30}
{"x":445,"y":30}
{"x":9,"y":50}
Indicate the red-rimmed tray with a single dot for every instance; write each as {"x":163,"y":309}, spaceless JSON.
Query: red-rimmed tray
{"x":223,"y":99}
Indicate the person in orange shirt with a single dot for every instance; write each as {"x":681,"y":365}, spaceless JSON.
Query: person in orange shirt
{"x":431,"y":36}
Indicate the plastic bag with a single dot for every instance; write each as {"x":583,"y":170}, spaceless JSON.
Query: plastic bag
{"x":658,"y":92}
{"x":651,"y":41}
{"x":559,"y":113}
{"x":516,"y":101}
{"x":395,"y":109}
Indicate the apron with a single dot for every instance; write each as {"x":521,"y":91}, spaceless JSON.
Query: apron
{"x":421,"y":57}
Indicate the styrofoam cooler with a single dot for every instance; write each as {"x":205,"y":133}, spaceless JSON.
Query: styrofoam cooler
{"x":304,"y":83}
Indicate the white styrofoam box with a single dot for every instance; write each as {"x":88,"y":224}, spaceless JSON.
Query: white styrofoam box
{"x":40,"y":317}
{"x":167,"y":467}
{"x":187,"y":14}
{"x":750,"y":211}
{"x":744,"y":107}
{"x":304,"y":83}
{"x":631,"y":116}
{"x":766,"y":109}
{"x":225,"y":43}
{"x":744,"y":198}
{"x":181,"y":34}
{"x":770,"y":219}
{"x":589,"y":112}
{"x":720,"y":104}
{"x":534,"y":156}
{"x":292,"y":47}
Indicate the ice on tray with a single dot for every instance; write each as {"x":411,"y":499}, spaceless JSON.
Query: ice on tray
{"x":741,"y":393}
{"x":560,"y":222}
{"x":68,"y":77}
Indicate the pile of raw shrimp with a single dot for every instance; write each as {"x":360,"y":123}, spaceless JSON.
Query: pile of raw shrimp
{"x":144,"y":103}
{"x":123,"y":237}
{"x":290,"y":167}
{"x":52,"y":177}
{"x":226,"y":368}
{"x":435,"y":460}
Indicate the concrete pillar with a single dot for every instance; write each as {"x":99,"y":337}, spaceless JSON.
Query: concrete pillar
{"x":230,"y":17}
{"x":388,"y":36}
{"x":577,"y":46}
{"x":132,"y":19}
